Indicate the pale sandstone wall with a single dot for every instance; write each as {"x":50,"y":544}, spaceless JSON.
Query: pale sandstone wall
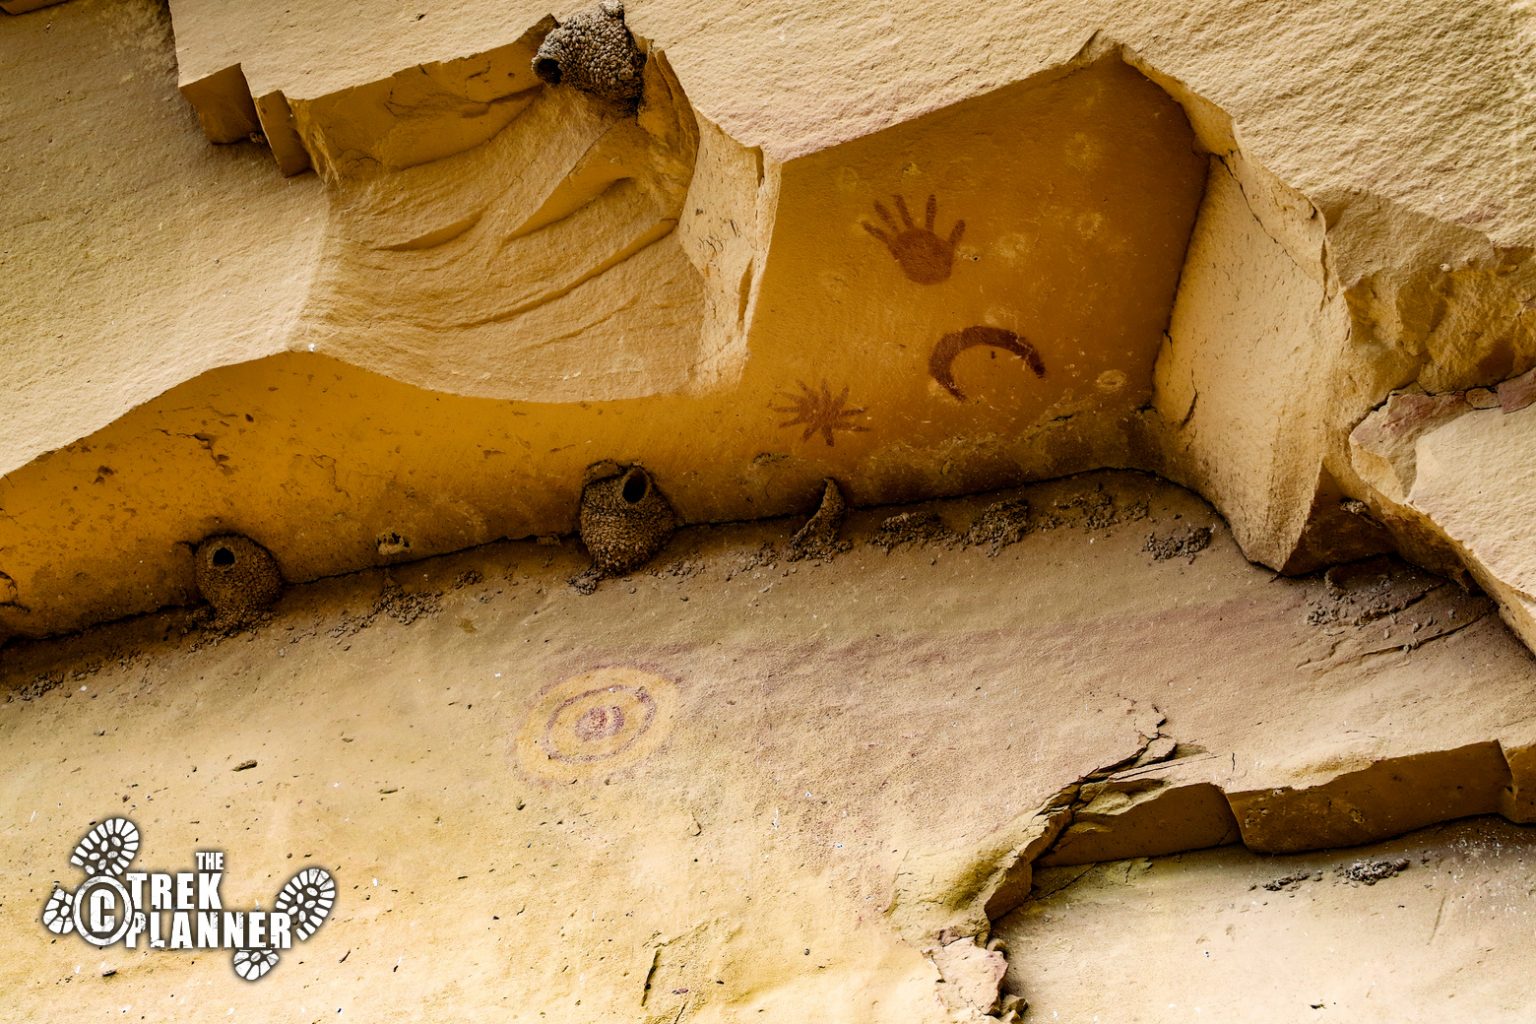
{"x":1206,"y":239}
{"x":871,"y":758}
{"x":137,"y":256}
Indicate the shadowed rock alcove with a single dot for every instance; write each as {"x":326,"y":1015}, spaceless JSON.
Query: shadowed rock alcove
{"x":968,"y":300}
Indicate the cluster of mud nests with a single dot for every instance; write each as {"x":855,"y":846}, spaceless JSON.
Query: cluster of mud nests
{"x":625,"y":521}
{"x":1006,"y":522}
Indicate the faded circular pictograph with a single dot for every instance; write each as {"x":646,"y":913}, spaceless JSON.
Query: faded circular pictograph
{"x":596,"y":721}
{"x":1111,"y":381}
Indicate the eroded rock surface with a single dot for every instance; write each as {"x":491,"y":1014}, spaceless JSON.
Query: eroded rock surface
{"x":376,"y":284}
{"x":713,"y":768}
{"x":1209,"y":924}
{"x":483,"y":237}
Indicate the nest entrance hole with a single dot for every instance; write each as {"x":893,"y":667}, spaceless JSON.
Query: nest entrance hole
{"x":636,"y":486}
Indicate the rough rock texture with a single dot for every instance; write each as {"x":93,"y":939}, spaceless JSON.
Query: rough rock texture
{"x":144,"y":272}
{"x":23,"y":6}
{"x":655,"y":806}
{"x":1231,"y":936}
{"x":1246,"y":227}
{"x":1454,"y":471}
{"x":356,"y":280}
{"x":1281,"y":253}
{"x":500,"y":280}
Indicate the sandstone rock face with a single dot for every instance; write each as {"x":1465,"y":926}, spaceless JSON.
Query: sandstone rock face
{"x":297,"y":293}
{"x":653,"y":799}
{"x":918,"y":251}
{"x":1461,"y":481}
{"x":1208,"y":925}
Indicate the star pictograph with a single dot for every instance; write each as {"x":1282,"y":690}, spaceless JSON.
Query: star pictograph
{"x":819,"y":411}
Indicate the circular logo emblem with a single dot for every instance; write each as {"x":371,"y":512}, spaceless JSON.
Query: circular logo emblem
{"x":103,"y":910}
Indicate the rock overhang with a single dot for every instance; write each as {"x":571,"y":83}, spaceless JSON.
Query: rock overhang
{"x":982,"y":282}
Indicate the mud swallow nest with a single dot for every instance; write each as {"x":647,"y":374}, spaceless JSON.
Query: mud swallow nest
{"x":624,"y":520}
{"x":818,"y":538}
{"x":594,"y":52}
{"x":237,"y":576}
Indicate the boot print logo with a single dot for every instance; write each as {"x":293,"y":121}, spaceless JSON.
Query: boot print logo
{"x":180,"y":910}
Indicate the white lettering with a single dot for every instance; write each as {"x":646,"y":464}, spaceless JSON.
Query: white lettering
{"x":185,"y":880}
{"x":181,"y":931}
{"x":160,"y":891}
{"x":255,"y":929}
{"x":102,"y":922}
{"x":208,"y":930}
{"x":281,"y":927}
{"x":208,"y":890}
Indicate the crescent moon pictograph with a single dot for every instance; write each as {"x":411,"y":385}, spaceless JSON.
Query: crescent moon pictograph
{"x":941,"y":362}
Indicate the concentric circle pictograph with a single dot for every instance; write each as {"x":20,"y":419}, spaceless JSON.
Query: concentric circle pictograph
{"x":596,"y":721}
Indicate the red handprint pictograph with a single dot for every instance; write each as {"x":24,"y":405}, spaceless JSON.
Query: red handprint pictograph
{"x":922,"y":255}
